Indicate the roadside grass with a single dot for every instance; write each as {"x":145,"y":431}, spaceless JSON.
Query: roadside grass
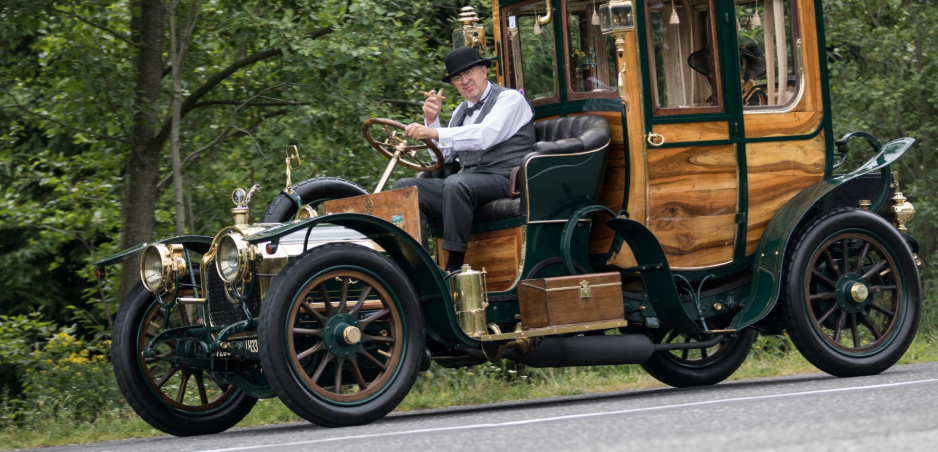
{"x":439,"y":387}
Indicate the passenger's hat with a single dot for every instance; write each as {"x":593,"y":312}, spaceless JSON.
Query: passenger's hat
{"x":460,"y":59}
{"x":748,"y":49}
{"x":700,"y":61}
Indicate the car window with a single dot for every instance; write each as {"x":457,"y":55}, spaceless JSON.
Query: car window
{"x":768,"y":48}
{"x":683,"y":55}
{"x":591,"y":56}
{"x":531,"y":51}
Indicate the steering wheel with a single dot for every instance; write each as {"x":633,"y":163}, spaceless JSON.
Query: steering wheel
{"x":397,"y":147}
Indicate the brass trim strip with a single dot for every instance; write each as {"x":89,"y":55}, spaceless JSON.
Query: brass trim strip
{"x":191,"y":300}
{"x":557,"y":289}
{"x":554,"y":330}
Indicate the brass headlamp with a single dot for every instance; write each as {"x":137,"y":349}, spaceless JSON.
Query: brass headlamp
{"x":234,"y":257}
{"x":160,"y":265}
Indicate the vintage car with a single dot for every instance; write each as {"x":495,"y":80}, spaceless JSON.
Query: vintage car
{"x":685,"y":194}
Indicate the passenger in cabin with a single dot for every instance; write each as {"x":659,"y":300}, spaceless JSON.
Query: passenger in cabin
{"x":488,"y":134}
{"x":751,"y":67}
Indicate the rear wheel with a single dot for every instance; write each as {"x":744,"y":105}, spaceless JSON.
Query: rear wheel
{"x":174,"y":398}
{"x":341,"y":335}
{"x":852,"y":293}
{"x":702,"y":366}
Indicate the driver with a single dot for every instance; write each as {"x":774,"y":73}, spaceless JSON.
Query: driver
{"x":489,"y":133}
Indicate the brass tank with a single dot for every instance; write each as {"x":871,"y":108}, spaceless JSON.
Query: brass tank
{"x":470,"y":300}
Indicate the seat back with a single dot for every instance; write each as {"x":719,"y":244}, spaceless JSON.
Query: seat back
{"x":570,"y":135}
{"x":565,"y":143}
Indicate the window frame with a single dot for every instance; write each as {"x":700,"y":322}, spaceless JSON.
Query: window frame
{"x":509,"y":73}
{"x":658,"y":111}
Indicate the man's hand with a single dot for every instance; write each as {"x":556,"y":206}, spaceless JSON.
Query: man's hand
{"x":421,"y":132}
{"x":432,"y":106}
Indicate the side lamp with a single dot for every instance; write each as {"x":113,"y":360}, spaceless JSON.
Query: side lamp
{"x":469,"y":35}
{"x":616,"y":18}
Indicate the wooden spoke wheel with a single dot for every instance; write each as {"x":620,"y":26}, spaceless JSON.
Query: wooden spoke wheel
{"x":698,"y":366}
{"x":172,"y":397}
{"x":853,"y":295}
{"x":341,"y":335}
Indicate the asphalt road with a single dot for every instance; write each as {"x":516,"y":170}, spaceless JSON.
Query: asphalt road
{"x":896,"y":410}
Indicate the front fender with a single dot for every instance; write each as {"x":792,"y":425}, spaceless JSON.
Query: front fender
{"x":427,"y":279}
{"x":197,"y":243}
{"x":769,"y":257}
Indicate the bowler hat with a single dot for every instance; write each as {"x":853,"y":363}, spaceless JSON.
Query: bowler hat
{"x":460,"y":59}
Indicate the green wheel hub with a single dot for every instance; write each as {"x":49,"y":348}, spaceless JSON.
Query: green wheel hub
{"x":852,"y":293}
{"x":343,"y":335}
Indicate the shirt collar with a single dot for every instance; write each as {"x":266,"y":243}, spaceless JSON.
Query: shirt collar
{"x":485,"y":94}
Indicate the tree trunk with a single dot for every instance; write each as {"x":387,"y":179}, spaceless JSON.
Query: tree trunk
{"x":143,"y":164}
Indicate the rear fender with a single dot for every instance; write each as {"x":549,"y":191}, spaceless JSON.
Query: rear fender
{"x":769,"y":257}
{"x":427,"y":279}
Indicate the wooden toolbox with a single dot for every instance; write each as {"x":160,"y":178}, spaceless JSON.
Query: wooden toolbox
{"x":399,"y":206}
{"x":567,"y":300}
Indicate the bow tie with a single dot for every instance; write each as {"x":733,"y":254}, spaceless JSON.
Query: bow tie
{"x":474,"y":108}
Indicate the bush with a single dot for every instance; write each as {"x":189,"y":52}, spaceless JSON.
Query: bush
{"x":71,"y":376}
{"x":51,"y":373}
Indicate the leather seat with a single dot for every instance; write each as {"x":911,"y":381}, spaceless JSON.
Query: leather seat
{"x":558,"y":136}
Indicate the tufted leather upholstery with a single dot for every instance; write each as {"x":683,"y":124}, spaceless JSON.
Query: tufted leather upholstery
{"x":568,"y":135}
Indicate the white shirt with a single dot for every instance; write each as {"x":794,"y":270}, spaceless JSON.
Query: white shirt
{"x":511,"y":113}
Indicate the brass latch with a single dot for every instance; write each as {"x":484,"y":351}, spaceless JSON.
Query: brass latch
{"x":585,"y":290}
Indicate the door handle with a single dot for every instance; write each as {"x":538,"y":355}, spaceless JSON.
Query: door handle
{"x":655,"y":139}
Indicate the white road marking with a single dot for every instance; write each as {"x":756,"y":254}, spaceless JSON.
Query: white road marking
{"x":572,"y":416}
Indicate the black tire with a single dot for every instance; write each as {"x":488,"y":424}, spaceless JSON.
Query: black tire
{"x":698,"y":366}
{"x":313,"y":192}
{"x":307,"y":344}
{"x":854,"y":319}
{"x":151,"y":386}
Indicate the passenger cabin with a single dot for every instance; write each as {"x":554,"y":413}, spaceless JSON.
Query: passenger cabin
{"x":718,"y":115}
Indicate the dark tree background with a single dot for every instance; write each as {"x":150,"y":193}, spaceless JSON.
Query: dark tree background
{"x":90,"y":162}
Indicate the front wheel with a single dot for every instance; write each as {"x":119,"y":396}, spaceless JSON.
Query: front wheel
{"x":172,"y":397}
{"x":701,"y":366}
{"x":341,"y":335}
{"x":852,"y":293}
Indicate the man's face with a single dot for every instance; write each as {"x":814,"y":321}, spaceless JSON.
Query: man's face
{"x":471,"y":83}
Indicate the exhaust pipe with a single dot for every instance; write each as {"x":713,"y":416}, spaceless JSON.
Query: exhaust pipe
{"x":576,"y":351}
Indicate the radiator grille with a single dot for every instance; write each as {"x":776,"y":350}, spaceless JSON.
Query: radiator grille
{"x":221,"y":311}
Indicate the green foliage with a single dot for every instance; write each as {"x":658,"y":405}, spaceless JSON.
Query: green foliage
{"x":67,"y":120}
{"x":49,"y":372}
{"x":19,"y":336}
{"x":70,"y":376}
{"x":883,"y":55}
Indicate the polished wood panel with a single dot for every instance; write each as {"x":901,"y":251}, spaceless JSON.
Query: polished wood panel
{"x":498,"y":252}
{"x":758,"y":125}
{"x":695,"y":131}
{"x":397,"y":206}
{"x":777,"y":172}
{"x":636,"y":191}
{"x":693,"y":203}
